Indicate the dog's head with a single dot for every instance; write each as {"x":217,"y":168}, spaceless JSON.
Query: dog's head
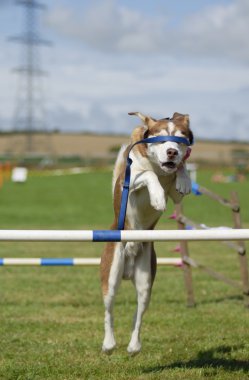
{"x":166,"y":156}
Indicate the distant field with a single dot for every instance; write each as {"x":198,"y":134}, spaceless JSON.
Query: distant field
{"x":51,"y":320}
{"x":96,"y":146}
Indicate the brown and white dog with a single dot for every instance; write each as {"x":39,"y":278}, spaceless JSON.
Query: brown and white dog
{"x":158,"y":172}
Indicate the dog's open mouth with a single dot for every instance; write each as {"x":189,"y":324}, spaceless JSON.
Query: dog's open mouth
{"x":169,"y":165}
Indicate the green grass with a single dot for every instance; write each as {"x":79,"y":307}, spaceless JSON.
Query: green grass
{"x":51,"y":323}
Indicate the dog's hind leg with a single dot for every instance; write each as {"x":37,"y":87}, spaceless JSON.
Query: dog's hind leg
{"x":143,"y":279}
{"x":112,"y":267}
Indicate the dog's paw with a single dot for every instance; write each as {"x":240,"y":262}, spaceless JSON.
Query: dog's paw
{"x":134,"y":348}
{"x":107,"y":350}
{"x":183,"y":183}
{"x":157,"y":200}
{"x":108,"y":346}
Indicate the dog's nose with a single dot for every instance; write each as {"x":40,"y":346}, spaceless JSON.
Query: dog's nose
{"x":172,"y":153}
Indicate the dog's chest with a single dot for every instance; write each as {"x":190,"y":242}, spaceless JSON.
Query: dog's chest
{"x":140,"y":212}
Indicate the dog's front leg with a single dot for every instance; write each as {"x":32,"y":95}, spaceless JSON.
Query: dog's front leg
{"x":183,"y":181}
{"x":156,"y":192}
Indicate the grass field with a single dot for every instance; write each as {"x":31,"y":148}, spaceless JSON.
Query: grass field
{"x":52,"y":318}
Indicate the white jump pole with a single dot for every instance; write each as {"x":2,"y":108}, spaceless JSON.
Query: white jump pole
{"x":73,"y":261}
{"x":124,"y":235}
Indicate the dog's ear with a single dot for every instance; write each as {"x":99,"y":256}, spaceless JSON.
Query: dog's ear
{"x":184,"y":119}
{"x":190,"y":136}
{"x":148,"y":121}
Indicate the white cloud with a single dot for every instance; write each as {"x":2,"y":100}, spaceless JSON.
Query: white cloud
{"x":107,"y":26}
{"x":101,"y":93}
{"x":118,"y":60}
{"x":217,"y":31}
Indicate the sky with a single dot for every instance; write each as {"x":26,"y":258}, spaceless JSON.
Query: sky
{"x":111,"y":57}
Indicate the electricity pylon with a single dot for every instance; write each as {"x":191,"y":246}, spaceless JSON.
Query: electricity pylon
{"x":29,"y":115}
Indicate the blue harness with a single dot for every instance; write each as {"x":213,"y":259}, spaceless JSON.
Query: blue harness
{"x":126,"y":185}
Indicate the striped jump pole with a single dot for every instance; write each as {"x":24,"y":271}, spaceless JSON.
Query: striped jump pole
{"x":124,"y":235}
{"x":115,"y":236}
{"x":73,"y":261}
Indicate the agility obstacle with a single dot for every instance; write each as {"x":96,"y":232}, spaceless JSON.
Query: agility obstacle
{"x":187,"y":231}
{"x":74,"y":261}
{"x":181,"y":235}
{"x":122,"y":235}
{"x":186,"y":224}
